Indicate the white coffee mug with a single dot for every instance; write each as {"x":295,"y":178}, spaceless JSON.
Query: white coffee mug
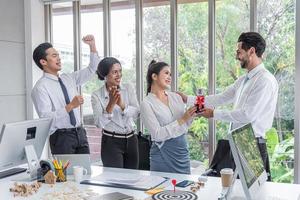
{"x":78,"y":172}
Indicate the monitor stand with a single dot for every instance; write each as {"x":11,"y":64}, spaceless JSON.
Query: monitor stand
{"x":226,"y":192}
{"x":33,"y":165}
{"x":33,"y":161}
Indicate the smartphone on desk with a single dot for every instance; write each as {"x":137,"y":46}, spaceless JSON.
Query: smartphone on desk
{"x":184,"y":183}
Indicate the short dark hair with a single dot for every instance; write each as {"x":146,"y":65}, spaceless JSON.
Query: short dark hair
{"x":40,"y":53}
{"x":105,"y":66}
{"x":153,"y":68}
{"x":253,"y":39}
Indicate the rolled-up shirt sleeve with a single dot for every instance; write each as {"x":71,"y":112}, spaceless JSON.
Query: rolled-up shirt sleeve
{"x":224,"y":98}
{"x":160,"y":133}
{"x":258,"y":98}
{"x":43,"y":105}
{"x":101,"y":117}
{"x":83,"y":75}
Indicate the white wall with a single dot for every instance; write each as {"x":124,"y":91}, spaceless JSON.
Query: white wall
{"x":12,"y":59}
{"x":34,"y":35}
{"x":21,"y":29}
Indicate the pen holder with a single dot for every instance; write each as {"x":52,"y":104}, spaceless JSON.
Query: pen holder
{"x":61,"y":175}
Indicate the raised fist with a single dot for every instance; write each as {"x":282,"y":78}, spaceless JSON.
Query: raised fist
{"x":89,"y":39}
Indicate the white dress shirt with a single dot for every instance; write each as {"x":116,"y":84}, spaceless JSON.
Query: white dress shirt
{"x":49,"y":100}
{"x":118,"y":121}
{"x":254,"y":97}
{"x":160,"y":119}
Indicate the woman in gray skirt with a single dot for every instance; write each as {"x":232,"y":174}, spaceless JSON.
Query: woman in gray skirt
{"x":164,"y":116}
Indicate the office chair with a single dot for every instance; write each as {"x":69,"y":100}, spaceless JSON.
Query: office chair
{"x":222,"y":158}
{"x":144,"y":151}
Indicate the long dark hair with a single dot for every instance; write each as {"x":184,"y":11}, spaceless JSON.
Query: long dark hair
{"x":153,"y":68}
{"x":105,"y":66}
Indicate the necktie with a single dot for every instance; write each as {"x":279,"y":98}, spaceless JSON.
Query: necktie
{"x":71,"y":113}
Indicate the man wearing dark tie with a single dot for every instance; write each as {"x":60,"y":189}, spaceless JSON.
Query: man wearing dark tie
{"x":55,"y":96}
{"x":253,"y":95}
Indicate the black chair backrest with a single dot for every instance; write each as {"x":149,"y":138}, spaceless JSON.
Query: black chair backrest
{"x":144,"y":151}
{"x":223,"y":158}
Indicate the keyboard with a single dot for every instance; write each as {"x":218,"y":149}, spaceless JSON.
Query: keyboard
{"x":11,"y":172}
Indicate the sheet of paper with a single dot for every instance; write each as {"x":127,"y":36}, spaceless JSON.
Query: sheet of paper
{"x":140,"y":181}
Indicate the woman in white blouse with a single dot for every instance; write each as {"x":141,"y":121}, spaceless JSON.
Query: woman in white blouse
{"x":164,"y":116}
{"x":115,"y":108}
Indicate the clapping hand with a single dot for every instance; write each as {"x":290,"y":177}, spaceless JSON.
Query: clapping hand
{"x":114,"y":95}
{"x":120,"y":102}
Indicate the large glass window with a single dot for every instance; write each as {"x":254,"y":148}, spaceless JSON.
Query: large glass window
{"x":123,"y":38}
{"x":91,"y":23}
{"x":232,"y":18}
{"x":193,"y":68}
{"x":63,"y":34}
{"x":276,"y":22}
{"x":156,"y":32}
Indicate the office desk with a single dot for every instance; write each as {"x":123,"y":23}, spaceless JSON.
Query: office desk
{"x":211,"y":191}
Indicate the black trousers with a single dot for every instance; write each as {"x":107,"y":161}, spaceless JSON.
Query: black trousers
{"x":69,"y":141}
{"x":264,"y":155}
{"x":120,"y":152}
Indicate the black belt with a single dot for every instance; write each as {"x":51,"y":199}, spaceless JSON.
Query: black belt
{"x":76,"y":129}
{"x":117,"y":135}
{"x":261,"y":140}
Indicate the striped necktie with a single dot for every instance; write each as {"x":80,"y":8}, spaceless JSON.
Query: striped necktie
{"x":65,"y":92}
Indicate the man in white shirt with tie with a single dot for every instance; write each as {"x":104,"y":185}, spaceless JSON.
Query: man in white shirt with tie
{"x":254,"y":95}
{"x":55,"y":96}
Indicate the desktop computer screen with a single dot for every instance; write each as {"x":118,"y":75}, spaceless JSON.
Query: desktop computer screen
{"x":16,"y":136}
{"x":247,"y":159}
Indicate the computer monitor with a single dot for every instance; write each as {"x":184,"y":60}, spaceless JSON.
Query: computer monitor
{"x":16,"y":137}
{"x":248,"y":160}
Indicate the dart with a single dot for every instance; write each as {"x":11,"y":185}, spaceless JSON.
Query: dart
{"x":174,"y":183}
